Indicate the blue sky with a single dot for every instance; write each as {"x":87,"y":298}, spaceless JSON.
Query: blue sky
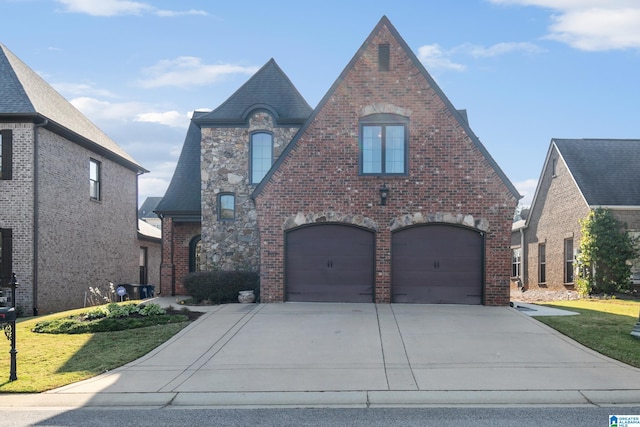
{"x":526,"y":71}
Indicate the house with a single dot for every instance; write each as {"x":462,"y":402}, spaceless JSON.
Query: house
{"x":578,"y":175}
{"x":382,"y":193}
{"x":146,"y":212}
{"x":68,"y":195}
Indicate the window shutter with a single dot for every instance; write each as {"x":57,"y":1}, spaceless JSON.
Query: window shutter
{"x":7,"y":263}
{"x":383,"y":57}
{"x":7,"y":154}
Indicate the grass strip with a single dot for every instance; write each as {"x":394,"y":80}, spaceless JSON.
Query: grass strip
{"x":603,"y":325}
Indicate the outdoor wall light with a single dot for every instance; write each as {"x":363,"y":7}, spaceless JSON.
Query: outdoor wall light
{"x":384,"y":193}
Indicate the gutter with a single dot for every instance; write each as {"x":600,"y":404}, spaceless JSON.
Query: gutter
{"x":36,"y":201}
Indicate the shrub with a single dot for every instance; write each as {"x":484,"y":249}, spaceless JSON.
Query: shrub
{"x":221,"y":287}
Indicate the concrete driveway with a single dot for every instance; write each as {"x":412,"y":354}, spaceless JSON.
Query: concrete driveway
{"x":325,"y":354}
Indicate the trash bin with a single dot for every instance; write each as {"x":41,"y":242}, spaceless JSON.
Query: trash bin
{"x":133,"y":290}
{"x":147,"y":291}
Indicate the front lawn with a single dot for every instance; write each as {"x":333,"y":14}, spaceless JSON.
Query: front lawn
{"x":603,"y":325}
{"x":46,"y":361}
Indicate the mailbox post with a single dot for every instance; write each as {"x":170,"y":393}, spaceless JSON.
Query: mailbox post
{"x":8,"y":318}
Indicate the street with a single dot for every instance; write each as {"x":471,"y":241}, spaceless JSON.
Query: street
{"x":583,"y":416}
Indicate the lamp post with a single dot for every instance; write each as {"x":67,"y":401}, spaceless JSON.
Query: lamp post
{"x":8,"y":315}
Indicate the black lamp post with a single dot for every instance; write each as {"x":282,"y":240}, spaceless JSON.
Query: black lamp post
{"x":384,"y":193}
{"x":10,"y":328}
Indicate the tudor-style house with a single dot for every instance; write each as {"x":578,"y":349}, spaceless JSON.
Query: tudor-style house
{"x":382,"y":193}
{"x":578,"y":175}
{"x":68,"y":195}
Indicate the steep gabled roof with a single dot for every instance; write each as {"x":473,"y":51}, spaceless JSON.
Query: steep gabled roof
{"x":459,"y":115}
{"x":148,"y":207}
{"x":605,"y":170}
{"x":24,"y":94}
{"x":182,"y":198}
{"x":269,"y":89}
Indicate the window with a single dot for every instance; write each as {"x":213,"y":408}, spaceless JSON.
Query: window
{"x":383,"y":145}
{"x":196,"y":255}
{"x":6,"y":154}
{"x":226,"y":207}
{"x":542,"y":264}
{"x":144,"y":273}
{"x":516,"y":260}
{"x":554,"y":166}
{"x":568,"y":261}
{"x":261,"y":155}
{"x":94,"y":179}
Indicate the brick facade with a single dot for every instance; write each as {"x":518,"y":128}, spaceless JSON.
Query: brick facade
{"x":177,"y":238}
{"x":554,"y":217}
{"x":79,"y":242}
{"x":448,"y":176}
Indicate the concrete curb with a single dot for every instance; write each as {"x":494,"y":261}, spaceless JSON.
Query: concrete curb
{"x":327,"y":399}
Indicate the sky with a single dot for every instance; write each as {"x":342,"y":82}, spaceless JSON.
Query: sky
{"x":526,"y":71}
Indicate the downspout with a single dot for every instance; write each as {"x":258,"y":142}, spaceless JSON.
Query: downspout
{"x":36,"y":200}
{"x":523,"y":260}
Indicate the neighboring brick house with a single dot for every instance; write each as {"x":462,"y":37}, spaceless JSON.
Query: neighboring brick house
{"x":384,"y":193}
{"x":578,"y":175}
{"x":68,"y":195}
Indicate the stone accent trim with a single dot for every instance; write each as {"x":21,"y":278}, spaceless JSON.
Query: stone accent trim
{"x":407,"y":220}
{"x":328,"y":216}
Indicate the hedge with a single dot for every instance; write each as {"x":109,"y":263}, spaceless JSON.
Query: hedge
{"x":221,"y":287}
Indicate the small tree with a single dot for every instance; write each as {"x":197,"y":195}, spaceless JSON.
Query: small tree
{"x":605,"y":249}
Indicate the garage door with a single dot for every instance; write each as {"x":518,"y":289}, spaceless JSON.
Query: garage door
{"x":330,"y":263}
{"x":437,"y":264}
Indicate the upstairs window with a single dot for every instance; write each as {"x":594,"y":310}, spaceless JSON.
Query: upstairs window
{"x":383,"y":57}
{"x":383,"y":145}
{"x":94,"y":179}
{"x":261,"y":152}
{"x":6,"y":267}
{"x":226,"y":207}
{"x":6,"y":154}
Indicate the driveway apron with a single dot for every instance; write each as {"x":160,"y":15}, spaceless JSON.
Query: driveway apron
{"x":399,"y":348}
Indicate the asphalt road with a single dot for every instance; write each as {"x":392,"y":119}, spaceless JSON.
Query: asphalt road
{"x":513,"y":416}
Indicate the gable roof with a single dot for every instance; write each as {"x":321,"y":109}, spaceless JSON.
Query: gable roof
{"x":270,"y":89}
{"x":459,"y":115}
{"x":25,"y":95}
{"x":182,"y":198}
{"x":605,"y":170}
{"x":147,"y":208}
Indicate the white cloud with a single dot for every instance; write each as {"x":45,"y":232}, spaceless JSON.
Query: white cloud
{"x":187,"y":71}
{"x":433,"y":57}
{"x":120,"y":7}
{"x":527,"y":189}
{"x":503,"y":49}
{"x":591,"y":25}
{"x":169,"y":118}
{"x":76,"y":89}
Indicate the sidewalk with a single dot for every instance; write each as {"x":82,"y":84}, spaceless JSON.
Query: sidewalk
{"x":356,"y":355}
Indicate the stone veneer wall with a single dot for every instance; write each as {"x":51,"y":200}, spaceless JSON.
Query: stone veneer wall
{"x":235,"y":244}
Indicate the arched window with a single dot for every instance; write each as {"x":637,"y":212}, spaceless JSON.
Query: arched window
{"x":261,"y":155}
{"x":196,"y":255}
{"x":226,"y":207}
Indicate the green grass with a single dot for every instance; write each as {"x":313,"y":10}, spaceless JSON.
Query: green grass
{"x":603,"y":325}
{"x":47,"y":361}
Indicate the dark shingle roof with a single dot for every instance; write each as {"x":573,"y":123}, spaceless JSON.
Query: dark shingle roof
{"x":605,"y":170}
{"x":24,"y":93}
{"x":183,"y":195}
{"x":148,"y":206}
{"x":269,"y":89}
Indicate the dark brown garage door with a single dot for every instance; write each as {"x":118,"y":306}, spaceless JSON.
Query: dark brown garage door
{"x":330,"y":263}
{"x":437,"y":264}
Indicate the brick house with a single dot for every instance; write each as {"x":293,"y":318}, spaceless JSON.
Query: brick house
{"x":68,"y":195}
{"x":578,"y":175}
{"x":382,"y":193}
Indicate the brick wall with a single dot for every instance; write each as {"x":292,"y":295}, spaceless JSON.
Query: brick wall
{"x":16,"y":199}
{"x":553,"y":219}
{"x":447,"y":173}
{"x":176,"y":240}
{"x":82,"y":242}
